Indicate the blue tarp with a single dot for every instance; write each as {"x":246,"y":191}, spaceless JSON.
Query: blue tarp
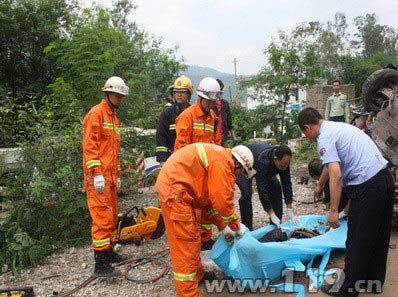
{"x":249,"y":259}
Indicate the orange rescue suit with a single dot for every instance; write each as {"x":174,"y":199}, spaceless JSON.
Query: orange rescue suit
{"x":194,"y":125}
{"x":196,"y":181}
{"x":101,"y":145}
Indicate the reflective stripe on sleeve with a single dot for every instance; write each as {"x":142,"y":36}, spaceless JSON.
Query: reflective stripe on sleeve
{"x":229,"y":218}
{"x":93,"y":163}
{"x":212,"y":212}
{"x":161,"y":149}
{"x":108,"y":126}
{"x":206,"y":226}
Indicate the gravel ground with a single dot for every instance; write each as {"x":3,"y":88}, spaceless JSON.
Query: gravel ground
{"x":64,"y":271}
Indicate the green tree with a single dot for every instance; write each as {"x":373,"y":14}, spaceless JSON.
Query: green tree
{"x":292,"y":63}
{"x":85,"y":60}
{"x":357,"y":68}
{"x":49,"y":209}
{"x":243,"y":123}
{"x":97,"y":50}
{"x":375,"y":46}
{"x":154,"y":67}
{"x":26,"y":28}
{"x":120,"y":13}
{"x":331,"y":41}
{"x":292,"y":129}
{"x":17,"y":121}
{"x":265,"y":115}
{"x":375,"y":38}
{"x":48,"y":181}
{"x":353,"y":57}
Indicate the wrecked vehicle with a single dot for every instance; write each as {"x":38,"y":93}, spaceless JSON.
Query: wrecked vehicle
{"x":380,"y":99}
{"x":378,"y":115}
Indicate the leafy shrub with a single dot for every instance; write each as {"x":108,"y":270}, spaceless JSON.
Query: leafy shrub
{"x":49,"y":209}
{"x":244,"y":123}
{"x":306,"y":152}
{"x":19,"y":249}
{"x":17,"y":116}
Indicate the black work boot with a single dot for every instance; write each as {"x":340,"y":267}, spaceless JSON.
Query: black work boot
{"x":114,"y":257}
{"x":103,"y":267}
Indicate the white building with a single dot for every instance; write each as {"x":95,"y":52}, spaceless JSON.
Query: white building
{"x":252,"y":101}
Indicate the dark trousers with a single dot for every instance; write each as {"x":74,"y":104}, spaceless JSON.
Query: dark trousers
{"x":343,"y":199}
{"x":369,"y":230}
{"x":245,"y":202}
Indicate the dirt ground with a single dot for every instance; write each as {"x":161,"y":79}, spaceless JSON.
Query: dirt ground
{"x":64,"y":271}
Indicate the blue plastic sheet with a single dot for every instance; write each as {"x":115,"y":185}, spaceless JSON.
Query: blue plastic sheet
{"x":249,"y":259}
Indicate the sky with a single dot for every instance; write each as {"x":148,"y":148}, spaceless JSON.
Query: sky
{"x":211,"y":33}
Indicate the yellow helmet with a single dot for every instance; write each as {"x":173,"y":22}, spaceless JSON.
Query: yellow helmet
{"x":182,"y":83}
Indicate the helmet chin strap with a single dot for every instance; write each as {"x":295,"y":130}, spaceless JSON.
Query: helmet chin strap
{"x":238,"y":165}
{"x":110,"y":103}
{"x":200,"y":103}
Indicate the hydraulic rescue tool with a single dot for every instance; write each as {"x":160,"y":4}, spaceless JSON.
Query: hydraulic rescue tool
{"x":17,"y":292}
{"x":146,"y":224}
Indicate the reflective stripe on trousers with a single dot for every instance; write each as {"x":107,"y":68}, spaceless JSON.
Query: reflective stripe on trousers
{"x":183,"y":236}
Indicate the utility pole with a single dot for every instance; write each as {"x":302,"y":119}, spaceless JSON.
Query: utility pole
{"x":236,"y":77}
{"x":235,"y":61}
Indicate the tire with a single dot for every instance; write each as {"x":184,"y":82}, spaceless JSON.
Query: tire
{"x":375,"y":82}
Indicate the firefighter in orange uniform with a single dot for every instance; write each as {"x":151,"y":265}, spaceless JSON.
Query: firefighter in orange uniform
{"x":198,"y":123}
{"x":199,"y":179}
{"x":101,"y":144}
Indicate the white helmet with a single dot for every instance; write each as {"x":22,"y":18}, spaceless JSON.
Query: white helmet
{"x":116,"y":85}
{"x":209,"y":88}
{"x":245,"y":157}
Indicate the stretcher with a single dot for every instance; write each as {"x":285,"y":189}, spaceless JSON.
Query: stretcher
{"x":270,"y":262}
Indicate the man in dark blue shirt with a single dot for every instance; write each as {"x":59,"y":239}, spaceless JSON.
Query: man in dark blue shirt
{"x":269,"y":161}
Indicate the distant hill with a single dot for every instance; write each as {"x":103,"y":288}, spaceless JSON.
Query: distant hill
{"x":197,"y":73}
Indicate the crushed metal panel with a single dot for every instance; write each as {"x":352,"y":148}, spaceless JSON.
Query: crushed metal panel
{"x":384,"y":130}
